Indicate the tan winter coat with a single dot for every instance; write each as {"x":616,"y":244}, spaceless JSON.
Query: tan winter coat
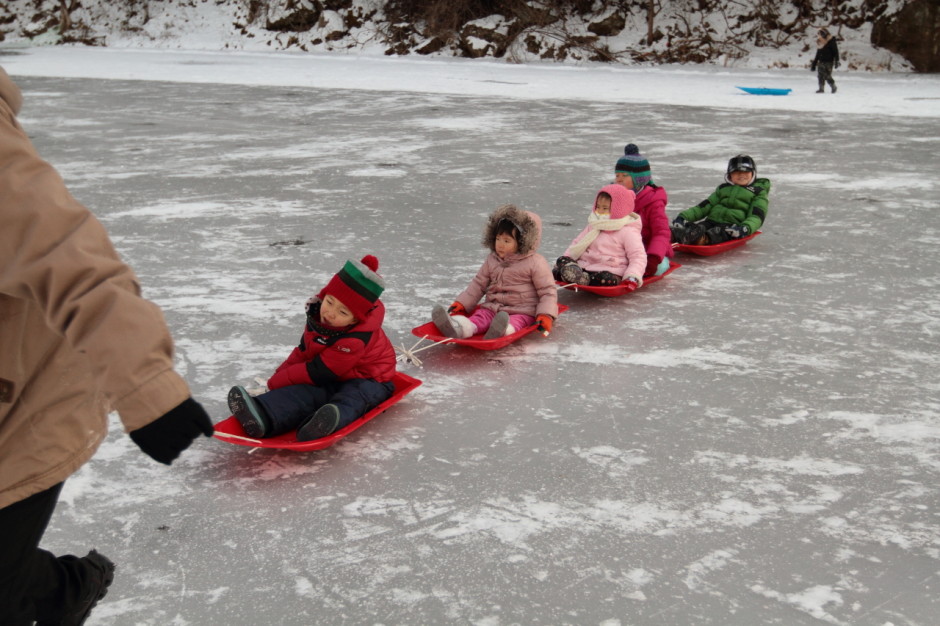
{"x":521,"y":284}
{"x":76,"y":338}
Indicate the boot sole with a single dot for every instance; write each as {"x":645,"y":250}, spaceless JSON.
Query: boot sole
{"x":323,"y":422}
{"x":243,"y":407}
{"x":443,"y":322}
{"x":498,"y":326}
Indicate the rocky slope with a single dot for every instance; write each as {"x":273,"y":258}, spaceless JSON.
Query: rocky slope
{"x":874,"y":35}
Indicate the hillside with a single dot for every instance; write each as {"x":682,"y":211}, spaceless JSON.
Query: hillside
{"x":756,"y":34}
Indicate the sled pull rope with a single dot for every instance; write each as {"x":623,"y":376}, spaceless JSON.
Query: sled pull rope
{"x":408,"y":354}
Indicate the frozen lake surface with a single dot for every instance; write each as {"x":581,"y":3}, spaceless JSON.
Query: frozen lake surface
{"x":753,"y":440}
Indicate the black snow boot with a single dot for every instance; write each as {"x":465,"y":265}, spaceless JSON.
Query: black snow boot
{"x":320,"y":424}
{"x":605,"y":279}
{"x":248,"y":412}
{"x":572,"y":273}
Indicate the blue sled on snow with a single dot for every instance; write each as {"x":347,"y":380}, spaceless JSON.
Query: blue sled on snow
{"x":765,"y":91}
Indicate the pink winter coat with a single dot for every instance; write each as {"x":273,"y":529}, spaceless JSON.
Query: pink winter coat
{"x":619,"y":252}
{"x":521,"y":284}
{"x":650,"y":205}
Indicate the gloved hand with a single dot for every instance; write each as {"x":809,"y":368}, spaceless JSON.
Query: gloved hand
{"x":838,"y":63}
{"x":545,"y":324}
{"x":680,"y":222}
{"x":738,"y":230}
{"x":164,"y":438}
{"x":564,"y":260}
{"x":456,"y":309}
{"x":812,"y":66}
{"x":631,"y":283}
{"x":652,"y":264}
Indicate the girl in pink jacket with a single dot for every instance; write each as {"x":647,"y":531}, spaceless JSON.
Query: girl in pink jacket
{"x":515,"y":282}
{"x":610,"y":248}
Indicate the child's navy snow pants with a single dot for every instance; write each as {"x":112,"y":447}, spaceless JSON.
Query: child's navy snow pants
{"x":290,"y":407}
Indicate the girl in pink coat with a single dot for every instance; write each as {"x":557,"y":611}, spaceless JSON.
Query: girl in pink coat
{"x":610,"y":248}
{"x":633,"y":172}
{"x":515,"y":282}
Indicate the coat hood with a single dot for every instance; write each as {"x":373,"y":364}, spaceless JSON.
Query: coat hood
{"x":528,"y":223}
{"x":621,"y":200}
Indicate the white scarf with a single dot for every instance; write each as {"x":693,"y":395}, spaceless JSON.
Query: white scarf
{"x":597,"y":224}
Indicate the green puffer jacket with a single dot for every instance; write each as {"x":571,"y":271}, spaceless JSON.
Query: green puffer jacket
{"x":734,"y":204}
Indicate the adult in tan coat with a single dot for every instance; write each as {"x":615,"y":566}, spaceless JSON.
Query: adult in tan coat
{"x":77,"y":341}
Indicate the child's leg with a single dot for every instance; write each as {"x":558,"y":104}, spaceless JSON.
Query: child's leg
{"x":716,"y":233}
{"x":357,"y":397}
{"x":518,"y":322}
{"x":353,"y":399}
{"x":605,"y":279}
{"x":481,"y":319}
{"x":288,"y":407}
{"x":663,"y":267}
{"x":457,"y":326}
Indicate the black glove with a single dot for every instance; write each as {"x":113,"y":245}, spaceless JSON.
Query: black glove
{"x":164,"y":438}
{"x":812,"y":67}
{"x":679,"y":222}
{"x":564,"y":260}
{"x":838,"y":64}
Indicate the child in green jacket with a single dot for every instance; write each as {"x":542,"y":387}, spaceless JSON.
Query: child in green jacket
{"x":737,"y":208}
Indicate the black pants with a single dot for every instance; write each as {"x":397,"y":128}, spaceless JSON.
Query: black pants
{"x":34,"y":583}
{"x":824,"y":74}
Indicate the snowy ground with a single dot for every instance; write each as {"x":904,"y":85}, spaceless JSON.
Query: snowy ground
{"x":753,"y":440}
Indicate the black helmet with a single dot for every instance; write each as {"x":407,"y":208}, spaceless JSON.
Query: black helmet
{"x":741,"y":163}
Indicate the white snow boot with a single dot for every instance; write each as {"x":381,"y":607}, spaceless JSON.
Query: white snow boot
{"x":456,"y":326}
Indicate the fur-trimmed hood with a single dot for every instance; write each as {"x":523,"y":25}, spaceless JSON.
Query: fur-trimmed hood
{"x":528,"y":223}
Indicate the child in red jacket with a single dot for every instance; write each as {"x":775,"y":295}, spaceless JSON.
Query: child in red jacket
{"x":342,"y":368}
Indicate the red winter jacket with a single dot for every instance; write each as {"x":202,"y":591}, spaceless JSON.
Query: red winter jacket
{"x":650,"y":205}
{"x":363,"y":351}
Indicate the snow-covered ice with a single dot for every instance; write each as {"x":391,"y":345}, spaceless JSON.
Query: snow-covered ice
{"x":754,"y":439}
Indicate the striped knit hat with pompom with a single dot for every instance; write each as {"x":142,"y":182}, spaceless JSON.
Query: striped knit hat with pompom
{"x":357,"y":286}
{"x":636,"y":165}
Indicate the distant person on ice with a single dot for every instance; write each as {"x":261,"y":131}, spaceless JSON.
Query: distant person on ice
{"x":609,"y":250}
{"x":514,"y":281}
{"x":633,"y":172}
{"x":77,"y":341}
{"x":737,"y":208}
{"x":342,"y":368}
{"x":827,"y":59}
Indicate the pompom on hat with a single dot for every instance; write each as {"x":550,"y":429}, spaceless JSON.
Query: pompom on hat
{"x":636,"y":165}
{"x":358,"y":286}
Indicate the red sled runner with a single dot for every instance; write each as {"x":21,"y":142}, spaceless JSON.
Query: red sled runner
{"x":614,"y":291}
{"x":429,"y":331}
{"x":715,"y":248}
{"x":230,"y":431}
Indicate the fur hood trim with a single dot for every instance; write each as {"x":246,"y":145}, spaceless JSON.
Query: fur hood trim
{"x":528,"y":223}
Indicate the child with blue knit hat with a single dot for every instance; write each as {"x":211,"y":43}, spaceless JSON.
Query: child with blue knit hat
{"x":342,"y":368}
{"x":633,"y":172}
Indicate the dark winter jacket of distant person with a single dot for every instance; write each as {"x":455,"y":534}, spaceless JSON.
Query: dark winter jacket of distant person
{"x":77,"y":340}
{"x":828,"y":52}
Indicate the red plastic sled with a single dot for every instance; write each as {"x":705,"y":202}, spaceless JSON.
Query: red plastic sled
{"x":715,"y":248}
{"x":229,"y":430}
{"x":430,"y":331}
{"x":617,"y":290}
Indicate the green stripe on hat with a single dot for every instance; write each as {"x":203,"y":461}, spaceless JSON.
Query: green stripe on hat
{"x":353,"y":276}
